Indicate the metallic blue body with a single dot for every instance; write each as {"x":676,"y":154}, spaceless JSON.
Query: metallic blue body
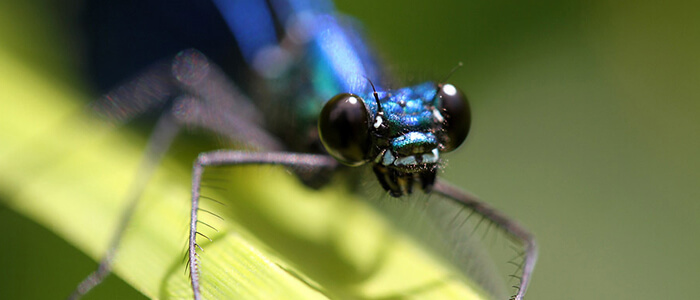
{"x":316,"y":46}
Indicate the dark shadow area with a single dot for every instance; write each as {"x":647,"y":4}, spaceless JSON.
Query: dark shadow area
{"x":37,"y":264}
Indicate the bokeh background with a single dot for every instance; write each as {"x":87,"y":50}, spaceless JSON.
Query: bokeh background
{"x":586,"y":130}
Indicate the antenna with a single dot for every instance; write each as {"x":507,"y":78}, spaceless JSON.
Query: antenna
{"x":459,"y":65}
{"x":442,"y":83}
{"x":376,"y":96}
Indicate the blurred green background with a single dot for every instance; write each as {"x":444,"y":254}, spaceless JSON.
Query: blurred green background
{"x":586,"y":130}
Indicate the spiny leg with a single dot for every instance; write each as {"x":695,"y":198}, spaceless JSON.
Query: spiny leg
{"x":299,"y":162}
{"x":200,"y":96}
{"x":211,"y":101}
{"x":162,"y":137}
{"x":508,"y":225}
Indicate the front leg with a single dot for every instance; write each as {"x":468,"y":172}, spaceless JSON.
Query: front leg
{"x":299,"y":162}
{"x":198,"y":95}
{"x":508,"y":225}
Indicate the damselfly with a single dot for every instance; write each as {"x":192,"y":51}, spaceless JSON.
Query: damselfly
{"x":335,"y":109}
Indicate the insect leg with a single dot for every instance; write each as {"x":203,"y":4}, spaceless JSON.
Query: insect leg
{"x":299,"y":162}
{"x":215,"y":103}
{"x":508,"y":225}
{"x":162,"y":137}
{"x":199,"y":95}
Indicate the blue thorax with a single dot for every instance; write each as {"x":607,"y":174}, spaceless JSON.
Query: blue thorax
{"x":318,"y":49}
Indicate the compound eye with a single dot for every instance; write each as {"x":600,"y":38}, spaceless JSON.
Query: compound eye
{"x":455,"y":109}
{"x":344,"y":129}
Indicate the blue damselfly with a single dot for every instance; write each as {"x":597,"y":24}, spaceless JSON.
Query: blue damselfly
{"x":296,"y":86}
